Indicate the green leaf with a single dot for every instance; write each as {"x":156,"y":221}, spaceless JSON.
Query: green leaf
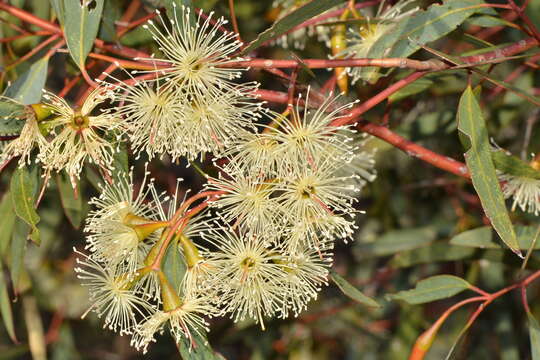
{"x":17,"y":251}
{"x":297,"y":17}
{"x":11,"y":114}
{"x":414,"y":88}
{"x":27,"y":88}
{"x":8,"y":222}
{"x":534,"y":335}
{"x":483,"y":238}
{"x":401,"y":240}
{"x":23,"y":189}
{"x":512,"y":165}
{"x":484,"y":178}
{"x":174,"y":9}
{"x":58,"y":6}
{"x":489,"y":21}
{"x":432,"y":253}
{"x":431,"y":289}
{"x":174,"y":266}
{"x":351,"y":291}
{"x":5,"y":306}
{"x":408,"y":34}
{"x":201,"y":350}
{"x":72,"y":205}
{"x":112,"y":12}
{"x":81,"y":25}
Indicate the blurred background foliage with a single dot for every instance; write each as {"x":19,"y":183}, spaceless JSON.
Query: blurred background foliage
{"x":413,"y":211}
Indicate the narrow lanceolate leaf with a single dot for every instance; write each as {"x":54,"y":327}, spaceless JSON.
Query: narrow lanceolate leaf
{"x":58,"y":7}
{"x":351,"y":291}
{"x":411,"y":32}
{"x":17,"y":251}
{"x":71,"y":202}
{"x":27,"y":88}
{"x":34,"y":327}
{"x":173,"y":6}
{"x":483,"y":238}
{"x":534,"y":335}
{"x":200,"y":350}
{"x":431,"y":289}
{"x":81,"y":25}
{"x":512,"y":165}
{"x":5,"y":306}
{"x":10,"y":123}
{"x":23,"y":189}
{"x":298,"y":16}
{"x":484,"y":178}
{"x":7,"y":223}
{"x":174,"y":266}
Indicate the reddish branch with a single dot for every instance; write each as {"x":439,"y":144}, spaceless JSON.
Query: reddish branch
{"x":424,"y":341}
{"x":385,"y":134}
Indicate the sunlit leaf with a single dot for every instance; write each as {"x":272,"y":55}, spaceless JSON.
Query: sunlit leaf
{"x":27,"y":88}
{"x":484,"y":238}
{"x":81,"y":25}
{"x":431,"y":289}
{"x":72,"y":204}
{"x":351,"y":291}
{"x":484,"y":178}
{"x":23,"y":191}
{"x":297,"y":17}
{"x":5,"y":306}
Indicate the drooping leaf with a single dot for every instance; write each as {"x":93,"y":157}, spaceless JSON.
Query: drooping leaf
{"x":5,"y":306}
{"x":421,"y":28}
{"x":414,"y":88}
{"x":23,"y":189}
{"x":484,"y":238}
{"x":72,"y":204}
{"x":512,"y":165}
{"x":34,"y":328}
{"x":27,"y":88}
{"x":17,"y":252}
{"x":489,"y":21}
{"x":10,"y":117}
{"x":400,"y":240}
{"x":174,"y":266}
{"x":351,"y":291}
{"x":297,"y":17}
{"x":112,"y":12}
{"x":534,"y":336}
{"x":431,"y":289}
{"x":58,"y":7}
{"x":201,"y":350}
{"x":430,"y":254}
{"x":173,"y":6}
{"x":471,"y":124}
{"x":7,"y":223}
{"x":81,"y":25}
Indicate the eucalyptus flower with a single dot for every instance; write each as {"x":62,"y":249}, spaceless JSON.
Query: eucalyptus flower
{"x":247,"y":202}
{"x":307,"y":270}
{"x":248,"y":277}
{"x":77,"y":135}
{"x":29,"y":137}
{"x":196,"y":53}
{"x":111,"y":295}
{"x":525,"y":192}
{"x":122,"y":224}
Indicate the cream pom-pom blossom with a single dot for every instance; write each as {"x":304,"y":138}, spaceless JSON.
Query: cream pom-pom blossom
{"x":257,"y":242}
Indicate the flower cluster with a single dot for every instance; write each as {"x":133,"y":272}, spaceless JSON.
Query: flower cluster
{"x":66,"y":137}
{"x":287,"y":188}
